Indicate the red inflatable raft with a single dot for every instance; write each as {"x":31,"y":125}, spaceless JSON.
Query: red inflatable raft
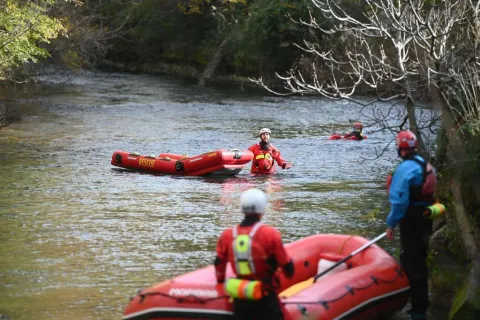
{"x":337,"y":136}
{"x":219,"y":162}
{"x":371,"y":285}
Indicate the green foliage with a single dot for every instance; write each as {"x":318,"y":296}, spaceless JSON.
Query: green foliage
{"x":205,"y":6}
{"x":264,"y":41}
{"x":23,"y":27}
{"x":71,"y":60}
{"x":161,"y":31}
{"x":261,"y":33}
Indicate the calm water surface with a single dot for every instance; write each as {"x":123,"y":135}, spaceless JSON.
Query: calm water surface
{"x":79,"y":237}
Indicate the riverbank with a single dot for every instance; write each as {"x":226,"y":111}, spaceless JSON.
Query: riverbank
{"x":177,"y":70}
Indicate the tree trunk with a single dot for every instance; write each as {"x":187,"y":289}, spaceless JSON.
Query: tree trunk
{"x":410,"y":105}
{"x":412,"y":120}
{"x":3,"y":113}
{"x":214,"y":63}
{"x":456,"y":152}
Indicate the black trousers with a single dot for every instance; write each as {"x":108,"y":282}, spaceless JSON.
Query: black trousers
{"x":267,"y":308}
{"x":415,"y":231}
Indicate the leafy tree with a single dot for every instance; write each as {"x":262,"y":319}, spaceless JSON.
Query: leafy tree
{"x":24,"y":26}
{"x":263,"y":42}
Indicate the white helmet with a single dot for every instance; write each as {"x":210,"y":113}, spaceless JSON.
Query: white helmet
{"x":265,"y":130}
{"x":253,"y":201}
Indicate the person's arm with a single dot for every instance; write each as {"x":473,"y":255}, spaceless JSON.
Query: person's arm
{"x":252,"y":148}
{"x":221,"y":259}
{"x":399,"y":195}
{"x":281,"y":255}
{"x":277,"y":156}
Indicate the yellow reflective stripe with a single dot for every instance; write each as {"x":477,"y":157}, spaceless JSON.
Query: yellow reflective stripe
{"x":263,"y":156}
{"x":243,"y":289}
{"x":243,"y":268}
{"x":231,"y":287}
{"x":241,"y":248}
{"x":241,"y":243}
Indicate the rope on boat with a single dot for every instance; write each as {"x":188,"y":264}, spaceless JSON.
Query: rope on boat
{"x":343,"y":243}
{"x":351,"y":290}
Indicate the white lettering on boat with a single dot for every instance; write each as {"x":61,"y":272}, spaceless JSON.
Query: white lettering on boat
{"x":185,"y":292}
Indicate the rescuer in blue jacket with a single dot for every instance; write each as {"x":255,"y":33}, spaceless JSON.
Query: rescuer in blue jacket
{"x":411,"y":190}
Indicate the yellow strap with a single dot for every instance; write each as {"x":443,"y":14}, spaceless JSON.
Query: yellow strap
{"x":296,"y":288}
{"x":243,"y":268}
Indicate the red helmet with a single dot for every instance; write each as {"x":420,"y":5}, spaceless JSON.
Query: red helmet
{"x":357,"y":125}
{"x":406,"y":139}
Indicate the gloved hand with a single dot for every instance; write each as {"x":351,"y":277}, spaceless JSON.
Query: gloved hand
{"x":286,"y":165}
{"x":389,"y":233}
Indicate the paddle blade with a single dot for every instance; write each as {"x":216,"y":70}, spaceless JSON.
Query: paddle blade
{"x":296,"y":288}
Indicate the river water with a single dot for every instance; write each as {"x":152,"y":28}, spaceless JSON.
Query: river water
{"x":79,"y":237}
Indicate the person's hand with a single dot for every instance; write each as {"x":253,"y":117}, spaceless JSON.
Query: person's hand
{"x":287,"y":165}
{"x":427,"y":213}
{"x":389,"y":233}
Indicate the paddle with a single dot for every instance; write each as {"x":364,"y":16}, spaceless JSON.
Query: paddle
{"x":304,"y":284}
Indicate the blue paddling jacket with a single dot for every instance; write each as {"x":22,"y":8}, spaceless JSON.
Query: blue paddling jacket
{"x":406,"y":188}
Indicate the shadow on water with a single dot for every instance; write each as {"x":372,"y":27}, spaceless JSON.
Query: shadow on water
{"x":78,"y":237}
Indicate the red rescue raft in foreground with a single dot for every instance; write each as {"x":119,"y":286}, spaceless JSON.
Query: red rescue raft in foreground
{"x":337,"y":136}
{"x":219,"y":162}
{"x":373,"y":286}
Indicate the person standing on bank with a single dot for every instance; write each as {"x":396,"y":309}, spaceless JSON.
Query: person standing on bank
{"x":255,"y":252}
{"x":265,"y":155}
{"x":411,"y":190}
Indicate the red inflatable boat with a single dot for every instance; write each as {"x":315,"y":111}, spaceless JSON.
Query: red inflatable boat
{"x":337,"y":136}
{"x":219,"y":162}
{"x":370,"y":285}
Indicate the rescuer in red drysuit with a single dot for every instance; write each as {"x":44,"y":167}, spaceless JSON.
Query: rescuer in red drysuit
{"x":255,"y":252}
{"x":265,"y":155}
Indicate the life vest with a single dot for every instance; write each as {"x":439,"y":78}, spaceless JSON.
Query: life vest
{"x":243,"y":247}
{"x":264,"y":161}
{"x":244,"y":289}
{"x":425,"y":191}
{"x":354,"y":135}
